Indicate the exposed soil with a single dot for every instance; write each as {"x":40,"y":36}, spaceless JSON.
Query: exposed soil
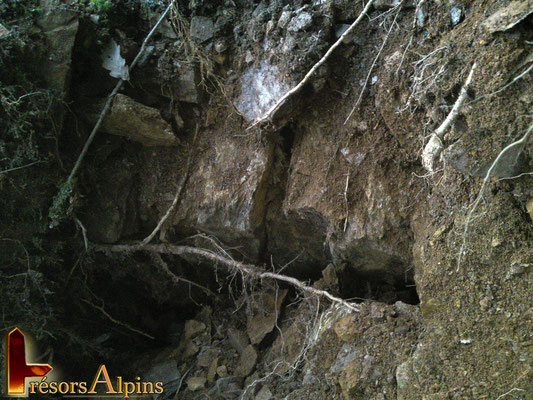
{"x":331,"y":191}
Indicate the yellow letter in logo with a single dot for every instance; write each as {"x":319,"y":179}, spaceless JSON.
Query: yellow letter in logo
{"x":106,"y":380}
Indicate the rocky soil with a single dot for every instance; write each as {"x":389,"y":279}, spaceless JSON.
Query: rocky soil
{"x":331,"y":191}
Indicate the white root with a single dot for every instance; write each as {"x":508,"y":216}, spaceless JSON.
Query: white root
{"x":435,"y":146}
{"x":521,"y":142}
{"x":249,"y":270}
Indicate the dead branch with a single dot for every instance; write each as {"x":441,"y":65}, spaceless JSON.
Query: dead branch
{"x":521,"y":142}
{"x":177,"y":196}
{"x":103,"y":311}
{"x":109,"y":101}
{"x":270,"y":113}
{"x":17,"y":168}
{"x":249,"y":270}
{"x":84,"y":233}
{"x":435,"y":146}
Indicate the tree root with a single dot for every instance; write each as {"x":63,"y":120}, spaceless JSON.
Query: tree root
{"x":249,"y":270}
{"x":521,"y":142}
{"x":435,"y":146}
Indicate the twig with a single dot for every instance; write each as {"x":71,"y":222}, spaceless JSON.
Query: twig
{"x":103,"y":311}
{"x":523,"y":142}
{"x":516,"y":176}
{"x":112,"y":96}
{"x":372,"y":67}
{"x":177,"y":196}
{"x":234,"y":266}
{"x":346,"y":200}
{"x":516,"y":78}
{"x":270,"y":113}
{"x":435,"y":146}
{"x":84,"y":233}
{"x":17,"y":168}
{"x":181,"y":382}
{"x":177,"y":279}
{"x":509,"y":392}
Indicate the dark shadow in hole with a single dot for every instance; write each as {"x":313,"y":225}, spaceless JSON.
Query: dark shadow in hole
{"x":378,"y":286}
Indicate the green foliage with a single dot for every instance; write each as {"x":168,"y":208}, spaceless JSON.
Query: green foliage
{"x":63,"y":203}
{"x":100,"y":6}
{"x":13,"y":9}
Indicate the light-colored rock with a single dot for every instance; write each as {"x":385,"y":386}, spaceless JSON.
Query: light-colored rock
{"x":300,"y":22}
{"x":385,"y":4}
{"x":202,"y":29}
{"x":196,"y":383}
{"x":238,"y":339}
{"x":529,"y":207}
{"x":264,"y":394}
{"x":137,"y":122}
{"x":247,"y":362}
{"x":345,"y":328}
{"x":267,"y":310}
{"x":422,"y":14}
{"x":345,"y":356}
{"x":222,"y":371}
{"x":261,"y":87}
{"x":456,"y":15}
{"x":284,"y":19}
{"x":193,"y":328}
{"x":212,"y":370}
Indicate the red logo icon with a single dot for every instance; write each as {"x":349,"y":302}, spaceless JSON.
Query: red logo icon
{"x":17,"y":368}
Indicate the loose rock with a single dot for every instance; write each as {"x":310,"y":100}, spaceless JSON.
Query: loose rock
{"x":202,"y":29}
{"x":137,"y":122}
{"x":247,"y":362}
{"x":264,"y":320}
{"x":193,"y":328}
{"x":300,"y":22}
{"x":196,"y":383}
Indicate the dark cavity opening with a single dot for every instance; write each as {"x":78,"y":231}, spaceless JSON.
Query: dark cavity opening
{"x":378,"y":286}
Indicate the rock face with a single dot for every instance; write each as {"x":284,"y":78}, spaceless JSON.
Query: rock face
{"x":60,"y":27}
{"x":318,"y":188}
{"x":139,"y":123}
